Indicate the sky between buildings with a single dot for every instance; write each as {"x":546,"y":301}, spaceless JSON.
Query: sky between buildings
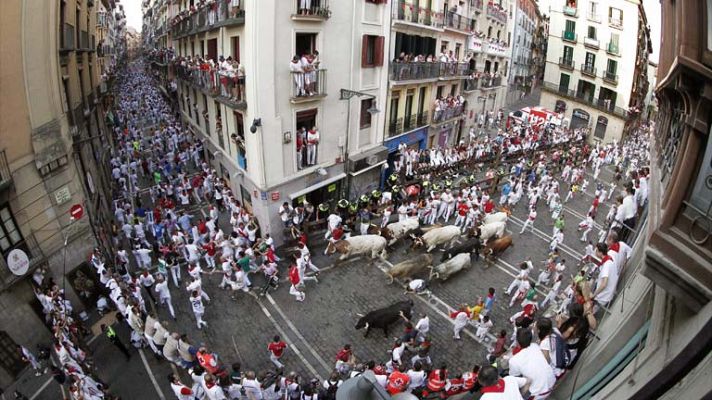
{"x":134,"y":18}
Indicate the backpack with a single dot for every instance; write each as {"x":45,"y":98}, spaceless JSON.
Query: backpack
{"x":562,"y":356}
{"x":330,"y":392}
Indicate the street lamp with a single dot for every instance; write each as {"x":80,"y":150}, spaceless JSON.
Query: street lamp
{"x":347,"y":94}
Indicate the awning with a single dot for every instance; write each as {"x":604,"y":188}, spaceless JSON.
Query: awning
{"x":316,"y":186}
{"x":378,"y":164}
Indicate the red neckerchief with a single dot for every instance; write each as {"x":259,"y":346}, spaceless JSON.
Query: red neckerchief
{"x":604,"y":259}
{"x":496,"y":388}
{"x":615,"y":247}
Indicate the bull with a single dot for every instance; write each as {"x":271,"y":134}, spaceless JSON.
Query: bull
{"x":485,"y":232}
{"x":446,"y":235}
{"x":409,"y":268}
{"x":496,"y":247}
{"x":456,"y":264}
{"x":384,"y":317}
{"x":471,"y":246}
{"x":364,"y":244}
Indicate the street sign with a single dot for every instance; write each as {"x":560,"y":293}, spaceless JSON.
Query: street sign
{"x":17,"y":262}
{"x":76,"y":211}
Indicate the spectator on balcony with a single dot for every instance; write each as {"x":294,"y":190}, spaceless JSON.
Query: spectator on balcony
{"x":305,"y":7}
{"x":212,"y":11}
{"x":234,"y":8}
{"x":308,"y":73}
{"x":301,"y":138}
{"x":295,"y":67}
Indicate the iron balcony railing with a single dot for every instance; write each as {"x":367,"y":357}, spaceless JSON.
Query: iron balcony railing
{"x":490,"y":82}
{"x":314,"y":9}
{"x":448,"y":113}
{"x":588,"y":69}
{"x":427,"y":70}
{"x":615,"y":22}
{"x":569,"y":36}
{"x":459,"y":22}
{"x":566,"y":63}
{"x":405,"y":12}
{"x":612,"y":48}
{"x":308,"y":84}
{"x":571,"y":10}
{"x":228,"y":87}
{"x":593,"y":17}
{"x":408,"y":123}
{"x":5,"y":174}
{"x":207,"y":18}
{"x":469,"y":84}
{"x":610,"y":77}
{"x":591,"y":42}
{"x":496,"y":13}
{"x":581,"y":98}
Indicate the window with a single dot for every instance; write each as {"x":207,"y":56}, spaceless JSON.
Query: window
{"x":9,"y":356}
{"x":365,"y":116}
{"x":611,"y":67}
{"x":219,"y":126}
{"x":601,"y":125}
{"x":568,"y":53}
{"x":702,"y":191}
{"x":570,"y":26}
{"x":372,"y":51}
{"x":591,"y":32}
{"x":307,"y":143}
{"x":305,"y":43}
{"x":10,"y":235}
{"x":394,"y":108}
{"x":443,"y":46}
{"x":615,"y":17}
{"x":590,"y":60}
{"x":564,"y":82}
{"x":240,"y":140}
{"x":53,"y":165}
{"x":421,"y":100}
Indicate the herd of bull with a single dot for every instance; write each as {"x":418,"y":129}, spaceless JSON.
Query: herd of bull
{"x":488,"y":239}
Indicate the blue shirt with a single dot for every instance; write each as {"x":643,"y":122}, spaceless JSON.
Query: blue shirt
{"x":184,"y":222}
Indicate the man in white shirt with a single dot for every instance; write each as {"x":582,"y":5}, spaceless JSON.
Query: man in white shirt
{"x":530,"y":363}
{"x":196,"y":303}
{"x":607,"y":278}
{"x":164,"y":294}
{"x":496,"y":388}
{"x":312,"y":142}
{"x":422,"y":327}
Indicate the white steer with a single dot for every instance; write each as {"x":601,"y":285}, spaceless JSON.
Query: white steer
{"x":374,"y":245}
{"x":495,"y":217}
{"x":456,"y":264}
{"x":495,"y":229}
{"x":435,"y":237}
{"x":397,"y":230}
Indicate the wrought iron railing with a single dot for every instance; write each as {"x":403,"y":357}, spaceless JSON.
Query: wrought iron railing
{"x":314,"y":8}
{"x":610,"y":77}
{"x":495,"y":12}
{"x":448,"y":113}
{"x":582,"y":98}
{"x":470,"y":84}
{"x":308,"y":84}
{"x":588,"y":69}
{"x":228,"y":87}
{"x":459,"y":22}
{"x":408,"y":123}
{"x":566,"y":63}
{"x":569,"y":36}
{"x":5,"y":174}
{"x":405,"y":12}
{"x":35,"y":256}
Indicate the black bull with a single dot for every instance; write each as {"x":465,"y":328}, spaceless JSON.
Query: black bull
{"x":384,"y":317}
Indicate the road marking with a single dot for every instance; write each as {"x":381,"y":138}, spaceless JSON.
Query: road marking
{"x":542,"y":235}
{"x":294,"y":329}
{"x":234,"y":345}
{"x":43,"y":387}
{"x":150,"y":375}
{"x":289,"y":341}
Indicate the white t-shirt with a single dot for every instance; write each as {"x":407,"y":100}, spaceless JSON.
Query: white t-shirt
{"x":512,"y":386}
{"x":197,"y":304}
{"x":549,"y":344}
{"x":607,"y":270}
{"x":530,"y":363}
{"x":417,"y":379}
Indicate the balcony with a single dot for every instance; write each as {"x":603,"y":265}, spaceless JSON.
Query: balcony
{"x":5,"y":174}
{"x":613,"y":49}
{"x":593,"y":17}
{"x":206,"y":19}
{"x":589,"y":70}
{"x":440,"y":116}
{"x":35,"y":256}
{"x":227,"y":89}
{"x":488,"y":82}
{"x":407,"y":124}
{"x":496,"y":12}
{"x":405,"y":13}
{"x":605,"y":105}
{"x":308,"y":86}
{"x":494,"y":49}
{"x":319,"y":11}
{"x":569,"y":36}
{"x":459,"y":22}
{"x":591,"y":43}
{"x":615,"y":22}
{"x":416,"y":71}
{"x":566,"y":63}
{"x":571,"y":10}
{"x":470,"y":84}
{"x":610,"y":77}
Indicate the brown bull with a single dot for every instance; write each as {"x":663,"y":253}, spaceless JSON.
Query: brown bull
{"x":496,"y":247}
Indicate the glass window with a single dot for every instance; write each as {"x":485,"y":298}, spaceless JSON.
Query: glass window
{"x":702,"y":191}
{"x":591,"y":32}
{"x":570,"y":26}
{"x":612,"y":66}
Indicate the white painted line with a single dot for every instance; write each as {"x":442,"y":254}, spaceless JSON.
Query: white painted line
{"x":294,"y":329}
{"x":234,"y":345}
{"x":150,"y":375}
{"x":289,"y":341}
{"x":542,"y":235}
{"x":43,"y":387}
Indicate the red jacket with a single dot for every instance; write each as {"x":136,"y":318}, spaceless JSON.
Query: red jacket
{"x":294,"y":275}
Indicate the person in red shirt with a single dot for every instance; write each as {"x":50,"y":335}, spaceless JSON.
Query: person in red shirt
{"x":437,"y":381}
{"x":462,"y":210}
{"x":489,"y":206}
{"x":398,"y":381}
{"x":276,"y":351}
{"x":344,"y":359}
{"x":469,"y":379}
{"x":294,"y":290}
{"x":210,"y":252}
{"x":454,"y":385}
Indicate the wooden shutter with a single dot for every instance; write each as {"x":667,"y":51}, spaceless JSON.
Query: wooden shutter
{"x":364,"y":51}
{"x":378,"y":53}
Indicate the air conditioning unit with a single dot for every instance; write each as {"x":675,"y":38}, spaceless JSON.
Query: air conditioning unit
{"x":369,"y":159}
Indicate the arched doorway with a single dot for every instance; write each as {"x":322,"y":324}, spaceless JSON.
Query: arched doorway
{"x":560,"y":106}
{"x":601,"y":125}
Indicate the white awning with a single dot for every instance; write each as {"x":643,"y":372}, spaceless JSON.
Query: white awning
{"x":316,"y":186}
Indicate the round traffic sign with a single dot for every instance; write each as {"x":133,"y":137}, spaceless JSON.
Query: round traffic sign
{"x":76,"y":211}
{"x":18,"y":262}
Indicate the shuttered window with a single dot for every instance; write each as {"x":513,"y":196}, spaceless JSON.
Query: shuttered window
{"x":372,"y":51}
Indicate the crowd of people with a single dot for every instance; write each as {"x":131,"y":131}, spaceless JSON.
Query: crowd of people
{"x":224,"y":76}
{"x":162,"y":182}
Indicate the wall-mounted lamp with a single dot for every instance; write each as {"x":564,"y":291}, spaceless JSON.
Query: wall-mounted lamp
{"x":287,"y":137}
{"x":255,"y":123}
{"x":321,"y":172}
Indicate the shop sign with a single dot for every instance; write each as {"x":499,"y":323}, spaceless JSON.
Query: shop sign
{"x":331,"y":188}
{"x":263,"y":195}
{"x":275,"y":196}
{"x":17,"y":262}
{"x":578,"y":113}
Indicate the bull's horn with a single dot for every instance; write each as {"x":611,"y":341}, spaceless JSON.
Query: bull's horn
{"x":360,"y":315}
{"x":391,"y":279}
{"x":366,"y":325}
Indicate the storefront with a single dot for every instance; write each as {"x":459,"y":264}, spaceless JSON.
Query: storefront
{"x":579,"y":118}
{"x":416,"y":139}
{"x":325,"y":191}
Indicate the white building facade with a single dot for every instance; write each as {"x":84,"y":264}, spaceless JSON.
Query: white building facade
{"x":591,"y":63}
{"x":252,"y":131}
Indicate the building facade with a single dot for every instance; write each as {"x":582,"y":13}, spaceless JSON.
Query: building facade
{"x":526,"y":22}
{"x":656,"y":342}
{"x":596,"y":72}
{"x":51,"y":149}
{"x":440,"y":49}
{"x":255,"y":121}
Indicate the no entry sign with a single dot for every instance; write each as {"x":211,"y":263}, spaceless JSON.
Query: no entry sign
{"x":76,"y":211}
